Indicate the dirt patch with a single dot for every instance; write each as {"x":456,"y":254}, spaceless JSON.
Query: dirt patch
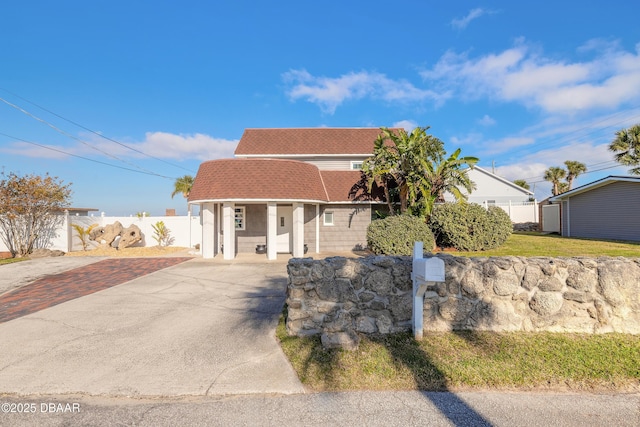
{"x":150,"y":251}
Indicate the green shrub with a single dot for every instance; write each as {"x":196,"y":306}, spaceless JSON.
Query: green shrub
{"x":395,"y":235}
{"x":500,"y":227}
{"x":469,"y":226}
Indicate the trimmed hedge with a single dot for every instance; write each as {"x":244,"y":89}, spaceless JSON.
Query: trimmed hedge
{"x":395,"y":235}
{"x":469,"y":226}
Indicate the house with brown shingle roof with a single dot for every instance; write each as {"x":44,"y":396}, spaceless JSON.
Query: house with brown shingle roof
{"x":286,"y":189}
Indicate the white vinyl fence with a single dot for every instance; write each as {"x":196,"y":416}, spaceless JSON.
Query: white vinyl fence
{"x":518,"y":211}
{"x":184,"y":231}
{"x":551,"y":218}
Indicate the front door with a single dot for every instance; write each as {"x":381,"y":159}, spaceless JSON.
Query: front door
{"x":284,"y":238}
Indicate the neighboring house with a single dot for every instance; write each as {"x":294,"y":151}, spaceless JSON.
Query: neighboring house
{"x":288,"y":189}
{"x":492,"y":189}
{"x":79,"y":211}
{"x":604,"y":209}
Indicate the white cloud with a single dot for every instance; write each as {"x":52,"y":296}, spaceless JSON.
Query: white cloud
{"x":45,"y":151}
{"x":487,"y":120}
{"x":531,"y":167}
{"x":482,"y":147}
{"x":471,"y":139}
{"x":520,"y":74}
{"x":162,"y":145}
{"x":461,"y":23}
{"x":331,"y":92}
{"x":408,"y":125}
{"x":190,"y":146}
{"x":505,"y":144}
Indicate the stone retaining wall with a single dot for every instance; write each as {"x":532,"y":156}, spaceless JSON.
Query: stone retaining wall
{"x":337,"y":297}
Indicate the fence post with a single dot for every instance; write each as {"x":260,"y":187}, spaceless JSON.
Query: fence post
{"x":67,"y":223}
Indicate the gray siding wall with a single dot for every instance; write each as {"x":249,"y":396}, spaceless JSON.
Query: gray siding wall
{"x":310,"y":227}
{"x":564,"y":225}
{"x":328,"y":163}
{"x":256,"y":229}
{"x":349,"y":229}
{"x":609,"y":212}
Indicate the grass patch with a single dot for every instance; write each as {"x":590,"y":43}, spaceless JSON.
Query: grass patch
{"x":10,"y":260}
{"x":538,"y":244}
{"x":469,"y":360}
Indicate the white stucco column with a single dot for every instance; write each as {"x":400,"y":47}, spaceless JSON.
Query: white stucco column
{"x":208,"y":230}
{"x":229,"y":229}
{"x":218,"y":213}
{"x":298,"y":230}
{"x":318,"y":228}
{"x":272,"y":230}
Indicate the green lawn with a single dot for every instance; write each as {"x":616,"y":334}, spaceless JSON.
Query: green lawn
{"x":481,"y":360}
{"x":470,"y":360}
{"x":10,"y":260}
{"x":537,"y":244}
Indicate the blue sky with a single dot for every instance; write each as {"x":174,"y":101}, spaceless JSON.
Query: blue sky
{"x":127,"y":96}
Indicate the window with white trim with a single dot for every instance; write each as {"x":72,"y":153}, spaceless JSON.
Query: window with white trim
{"x":238,"y":218}
{"x":327,"y":218}
{"x":356,"y":166}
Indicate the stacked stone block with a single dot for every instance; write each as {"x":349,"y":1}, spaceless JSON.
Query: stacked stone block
{"x":341,"y":297}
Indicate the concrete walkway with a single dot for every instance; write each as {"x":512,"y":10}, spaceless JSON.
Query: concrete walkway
{"x":198,"y":328}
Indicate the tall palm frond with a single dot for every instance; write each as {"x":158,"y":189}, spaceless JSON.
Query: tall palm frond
{"x":626,"y":145}
{"x":183,"y":185}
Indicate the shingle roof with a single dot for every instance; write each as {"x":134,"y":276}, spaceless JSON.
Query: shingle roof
{"x":338,"y":184}
{"x":307,"y":141}
{"x":271,"y":179}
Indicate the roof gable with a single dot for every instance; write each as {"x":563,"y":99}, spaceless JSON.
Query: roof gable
{"x":593,"y":185}
{"x":307,"y":141}
{"x":339,"y":184}
{"x":505,"y":182}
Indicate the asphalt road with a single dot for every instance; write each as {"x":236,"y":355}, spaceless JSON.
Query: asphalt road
{"x":334,"y":409}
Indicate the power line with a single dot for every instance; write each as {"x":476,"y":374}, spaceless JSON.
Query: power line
{"x":634,"y":114}
{"x":85,"y":158}
{"x":97,"y":133}
{"x":68,"y":135}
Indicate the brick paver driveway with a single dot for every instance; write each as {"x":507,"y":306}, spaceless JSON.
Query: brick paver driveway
{"x":58,"y":288}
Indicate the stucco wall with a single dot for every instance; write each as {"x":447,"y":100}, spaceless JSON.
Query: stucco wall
{"x":374,"y":295}
{"x":185,"y":231}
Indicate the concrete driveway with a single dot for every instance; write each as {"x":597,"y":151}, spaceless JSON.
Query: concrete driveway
{"x":197,"y":328}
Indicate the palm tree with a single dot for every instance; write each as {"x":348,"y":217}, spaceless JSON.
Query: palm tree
{"x":398,"y":162}
{"x":573,"y":170}
{"x":415,"y":166}
{"x":378,"y":171}
{"x":447,"y":176}
{"x":183,"y":185}
{"x":627,"y":148}
{"x":522,"y":183}
{"x":554,"y":174}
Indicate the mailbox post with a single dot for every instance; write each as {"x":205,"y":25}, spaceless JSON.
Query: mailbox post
{"x":425,"y":271}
